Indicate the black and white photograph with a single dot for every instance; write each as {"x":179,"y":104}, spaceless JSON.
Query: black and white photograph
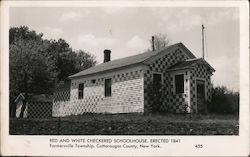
{"x":124,"y":70}
{"x":140,"y":70}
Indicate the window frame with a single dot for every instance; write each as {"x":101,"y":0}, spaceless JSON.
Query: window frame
{"x":183,"y":88}
{"x":80,"y":91}
{"x":110,"y":93}
{"x":158,"y":73}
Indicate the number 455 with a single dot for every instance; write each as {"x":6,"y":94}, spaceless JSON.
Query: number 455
{"x":198,"y":146}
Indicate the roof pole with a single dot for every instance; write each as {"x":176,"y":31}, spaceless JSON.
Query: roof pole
{"x":153,"y":43}
{"x":202,"y":29}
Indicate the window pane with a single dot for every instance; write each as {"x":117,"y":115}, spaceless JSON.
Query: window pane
{"x":80,"y":90}
{"x":107,"y":87}
{"x":179,"y":84}
{"x":157,"y":80}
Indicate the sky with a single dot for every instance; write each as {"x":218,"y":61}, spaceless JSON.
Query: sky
{"x":127,"y":31}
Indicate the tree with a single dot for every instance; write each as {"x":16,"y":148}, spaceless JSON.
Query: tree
{"x":63,"y":57}
{"x":23,"y":32}
{"x":67,"y":61}
{"x":160,"y":41}
{"x":30,"y":69}
{"x":224,"y":101}
{"x":84,"y":60}
{"x":37,"y":65}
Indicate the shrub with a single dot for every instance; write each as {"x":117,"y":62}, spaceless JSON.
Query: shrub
{"x":224,"y":101}
{"x":156,"y":98}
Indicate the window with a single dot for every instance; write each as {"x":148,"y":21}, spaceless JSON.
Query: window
{"x":156,"y":80}
{"x":179,"y":84}
{"x":93,"y":81}
{"x":80,"y":90}
{"x":107,"y":87}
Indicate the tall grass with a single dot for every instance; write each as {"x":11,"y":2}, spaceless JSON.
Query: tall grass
{"x":224,"y":101}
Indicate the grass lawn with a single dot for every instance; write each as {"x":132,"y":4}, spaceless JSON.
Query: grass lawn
{"x":128,"y":124}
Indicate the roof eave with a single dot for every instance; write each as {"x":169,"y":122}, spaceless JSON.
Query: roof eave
{"x":190,"y":53}
{"x":206,"y":63}
{"x":213,"y":70}
{"x":169,"y":49}
{"x":177,"y":69}
{"x":146,"y":61}
{"x":105,"y":71}
{"x":17,"y":98}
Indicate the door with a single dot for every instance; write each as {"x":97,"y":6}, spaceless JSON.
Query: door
{"x":201,"y":101}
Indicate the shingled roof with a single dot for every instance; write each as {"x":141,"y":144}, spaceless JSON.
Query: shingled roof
{"x":189,"y":63}
{"x":131,"y":60}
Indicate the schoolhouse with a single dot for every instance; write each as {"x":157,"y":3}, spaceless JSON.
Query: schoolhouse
{"x":172,"y":79}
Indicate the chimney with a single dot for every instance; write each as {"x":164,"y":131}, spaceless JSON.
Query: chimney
{"x":153,"y":43}
{"x":106,"y":55}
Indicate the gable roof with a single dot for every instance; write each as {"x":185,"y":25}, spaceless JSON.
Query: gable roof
{"x":35,"y":97}
{"x":189,"y":63}
{"x":131,"y":60}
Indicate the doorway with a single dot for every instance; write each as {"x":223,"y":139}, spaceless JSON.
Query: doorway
{"x":201,"y":100}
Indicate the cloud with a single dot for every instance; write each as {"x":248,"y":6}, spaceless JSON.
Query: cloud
{"x":137,"y":43}
{"x":215,"y":18}
{"x":96,"y":44}
{"x":176,"y":20}
{"x":91,"y":41}
{"x":52,"y":33}
{"x":70,"y":16}
{"x":226,"y":73}
{"x":187,"y":18}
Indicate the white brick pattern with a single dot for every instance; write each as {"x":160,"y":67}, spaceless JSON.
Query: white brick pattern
{"x":127,"y":96}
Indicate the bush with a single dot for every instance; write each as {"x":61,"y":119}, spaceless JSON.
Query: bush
{"x":156,"y":98}
{"x":224,"y":101}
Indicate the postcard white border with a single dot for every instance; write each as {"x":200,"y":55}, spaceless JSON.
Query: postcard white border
{"x":213,"y":145}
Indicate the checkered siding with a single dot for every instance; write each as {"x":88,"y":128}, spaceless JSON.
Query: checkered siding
{"x":60,"y":103}
{"x":178,"y":102}
{"x":61,"y":95}
{"x":127,"y":96}
{"x":199,"y":72}
{"x":170,"y":102}
{"x":39,"y":110}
